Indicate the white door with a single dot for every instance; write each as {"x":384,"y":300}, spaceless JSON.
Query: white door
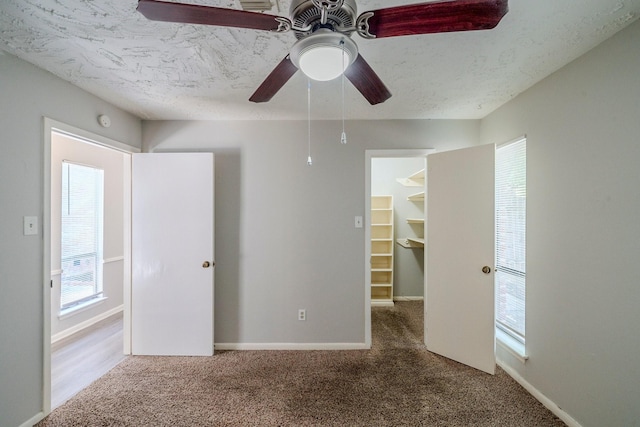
{"x":459,"y":322}
{"x":172,"y":242}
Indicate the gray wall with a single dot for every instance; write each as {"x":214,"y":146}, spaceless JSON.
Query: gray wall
{"x":285,"y":236}
{"x":28,"y":94}
{"x":408,"y":271}
{"x":583,"y":231}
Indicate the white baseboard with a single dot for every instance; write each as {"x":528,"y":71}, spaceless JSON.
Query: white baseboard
{"x":408,"y":298}
{"x":291,"y":346}
{"x":386,"y":303}
{"x":33,"y":420}
{"x":548,"y":403}
{"x":82,"y":325}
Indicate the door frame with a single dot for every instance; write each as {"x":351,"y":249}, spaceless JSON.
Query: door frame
{"x":51,"y":125}
{"x":369,"y":155}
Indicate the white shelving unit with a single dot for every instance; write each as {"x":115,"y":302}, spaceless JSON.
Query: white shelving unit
{"x":382,"y":250}
{"x":415,"y":180}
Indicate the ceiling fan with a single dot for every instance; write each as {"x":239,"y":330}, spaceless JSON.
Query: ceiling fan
{"x":324,"y":49}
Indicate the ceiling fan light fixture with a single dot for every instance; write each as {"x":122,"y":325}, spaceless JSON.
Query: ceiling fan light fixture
{"x":320,"y":55}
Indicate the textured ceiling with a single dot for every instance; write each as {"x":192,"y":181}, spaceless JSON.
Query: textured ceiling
{"x":162,"y":70}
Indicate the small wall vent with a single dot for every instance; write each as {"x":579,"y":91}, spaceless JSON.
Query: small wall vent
{"x":256,"y":5}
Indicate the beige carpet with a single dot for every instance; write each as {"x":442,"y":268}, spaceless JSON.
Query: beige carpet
{"x":397,"y":383}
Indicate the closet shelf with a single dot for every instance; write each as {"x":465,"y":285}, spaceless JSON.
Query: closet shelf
{"x":415,"y":220}
{"x":411,"y":242}
{"x":415,"y":180}
{"x":417,"y":197}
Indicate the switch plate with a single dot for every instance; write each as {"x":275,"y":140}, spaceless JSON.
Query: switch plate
{"x":358,"y":222}
{"x":30,"y":225}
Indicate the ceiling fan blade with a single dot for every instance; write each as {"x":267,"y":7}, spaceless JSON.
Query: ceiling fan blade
{"x":274,"y":81}
{"x":435,"y":17}
{"x":367,"y":81}
{"x":197,"y":14}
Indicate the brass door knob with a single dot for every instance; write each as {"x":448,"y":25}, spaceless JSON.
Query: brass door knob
{"x":486,"y":269}
{"x":206,"y":264}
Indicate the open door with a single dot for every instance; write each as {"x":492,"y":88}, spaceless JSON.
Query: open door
{"x":172,"y":254}
{"x":460,"y":313}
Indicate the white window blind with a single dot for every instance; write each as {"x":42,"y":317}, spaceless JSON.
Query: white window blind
{"x":81,"y":232}
{"x":511,"y":203}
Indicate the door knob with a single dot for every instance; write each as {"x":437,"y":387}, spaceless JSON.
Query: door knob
{"x":486,"y":269}
{"x":207,"y":264}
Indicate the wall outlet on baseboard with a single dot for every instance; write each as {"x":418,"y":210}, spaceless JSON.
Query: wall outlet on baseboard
{"x":302,"y":314}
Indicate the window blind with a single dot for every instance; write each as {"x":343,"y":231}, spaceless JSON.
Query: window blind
{"x":81,"y":233}
{"x":511,"y":203}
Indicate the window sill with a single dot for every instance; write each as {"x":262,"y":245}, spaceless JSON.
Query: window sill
{"x":514,"y":347}
{"x":72,"y":311}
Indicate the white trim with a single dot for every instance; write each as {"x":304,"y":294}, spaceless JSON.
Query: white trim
{"x":512,"y":141}
{"x":104,"y":261}
{"x":85,"y":165}
{"x":368,"y":156}
{"x":291,"y":346}
{"x":511,"y":345}
{"x":86,"y":136}
{"x":382,"y":303}
{"x":548,"y":403}
{"x":46,"y":251}
{"x":83,"y":325}
{"x":79,"y":308}
{"x":400,"y":153}
{"x":126,"y":266}
{"x":33,"y":420}
{"x":408,"y":298}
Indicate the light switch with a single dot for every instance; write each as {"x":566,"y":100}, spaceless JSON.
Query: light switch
{"x":30,"y":224}
{"x":358,"y":222}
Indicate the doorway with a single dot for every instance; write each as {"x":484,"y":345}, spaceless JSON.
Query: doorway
{"x":459,"y":288}
{"x":85,"y":284}
{"x":394,"y":265}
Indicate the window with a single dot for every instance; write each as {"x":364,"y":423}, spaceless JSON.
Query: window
{"x":82,"y":225}
{"x":511,"y":203}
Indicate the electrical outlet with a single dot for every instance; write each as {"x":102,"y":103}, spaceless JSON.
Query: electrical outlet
{"x":302,"y":314}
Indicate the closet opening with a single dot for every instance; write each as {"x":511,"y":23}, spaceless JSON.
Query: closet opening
{"x":395,"y":207}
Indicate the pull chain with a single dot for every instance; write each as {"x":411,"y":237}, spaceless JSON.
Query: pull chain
{"x":343,"y":138}
{"x":309,"y":161}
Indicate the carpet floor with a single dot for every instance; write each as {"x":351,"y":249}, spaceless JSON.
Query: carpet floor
{"x":396,"y":383}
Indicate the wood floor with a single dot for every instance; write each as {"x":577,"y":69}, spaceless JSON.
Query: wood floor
{"x":82,"y":358}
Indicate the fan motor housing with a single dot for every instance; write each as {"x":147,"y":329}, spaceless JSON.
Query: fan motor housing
{"x":305,"y":14}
